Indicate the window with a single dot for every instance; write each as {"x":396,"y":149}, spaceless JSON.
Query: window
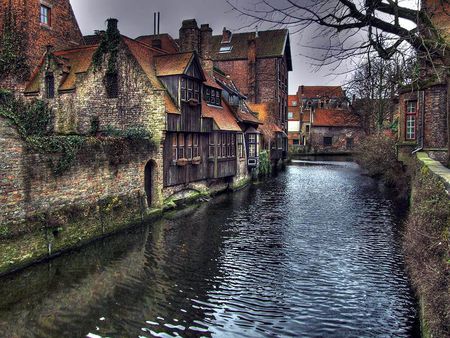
{"x":327,"y":141}
{"x":112,"y":85}
{"x":233,"y":145}
{"x":349,"y":144}
{"x":181,"y":153}
{"x":252,"y":150}
{"x":190,"y":89}
{"x":45,"y":15}
{"x":411,"y":108}
{"x":296,"y":142}
{"x":224,"y":145}
{"x":49,"y":86}
{"x":174,"y":147}
{"x":183,"y":89}
{"x":290,"y":115}
{"x":307,"y":128}
{"x":294,"y":103}
{"x":252,"y":138}
{"x":212,"y":148}
{"x":195,"y":149}
{"x":225,"y":49}
{"x":189,"y":146}
{"x":240,"y":144}
{"x":213,"y":96}
{"x":279,"y":141}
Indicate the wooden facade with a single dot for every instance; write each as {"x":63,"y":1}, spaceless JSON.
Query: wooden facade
{"x":194,"y":148}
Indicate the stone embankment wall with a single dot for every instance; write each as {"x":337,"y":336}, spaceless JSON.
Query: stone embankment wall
{"x":427,"y":244}
{"x":102,"y":191}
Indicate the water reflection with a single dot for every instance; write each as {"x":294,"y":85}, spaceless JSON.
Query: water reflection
{"x":312,"y":252}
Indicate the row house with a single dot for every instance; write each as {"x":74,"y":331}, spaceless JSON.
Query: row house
{"x":334,"y":130}
{"x":198,"y":119}
{"x":294,"y":125}
{"x":258,"y":63}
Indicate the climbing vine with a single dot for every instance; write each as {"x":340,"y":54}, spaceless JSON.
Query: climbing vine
{"x":13,"y":59}
{"x":109,"y":45}
{"x":33,"y":123}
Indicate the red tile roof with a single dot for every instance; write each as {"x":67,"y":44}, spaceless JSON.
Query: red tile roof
{"x":210,"y":81}
{"x":167,"y":43}
{"x":270,"y":43}
{"x":173,"y":64}
{"x":335,"y":118}
{"x":320,"y":91}
{"x":222,"y":116}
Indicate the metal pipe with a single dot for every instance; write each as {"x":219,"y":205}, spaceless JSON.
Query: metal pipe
{"x":421,"y":95}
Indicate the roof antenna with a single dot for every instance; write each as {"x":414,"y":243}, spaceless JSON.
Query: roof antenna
{"x":154,"y":23}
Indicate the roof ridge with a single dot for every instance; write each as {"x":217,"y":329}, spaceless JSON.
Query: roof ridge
{"x":75,"y":49}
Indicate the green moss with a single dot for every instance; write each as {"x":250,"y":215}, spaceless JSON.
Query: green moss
{"x":240,"y":184}
{"x":264,"y":165}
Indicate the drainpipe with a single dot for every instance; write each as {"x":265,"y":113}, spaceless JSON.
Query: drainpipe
{"x":422,"y":122}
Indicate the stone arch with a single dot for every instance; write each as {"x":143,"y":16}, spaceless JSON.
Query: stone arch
{"x":150,"y":182}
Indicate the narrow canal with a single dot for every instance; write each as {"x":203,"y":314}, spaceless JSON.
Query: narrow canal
{"x":313,"y":252}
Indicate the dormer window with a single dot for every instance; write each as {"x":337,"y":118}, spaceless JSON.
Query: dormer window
{"x":190,"y":89}
{"x":49,"y":86}
{"x":213,"y":96}
{"x":45,"y":15}
{"x":225,"y":49}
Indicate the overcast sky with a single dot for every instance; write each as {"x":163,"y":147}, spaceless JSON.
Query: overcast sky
{"x":136,"y":18}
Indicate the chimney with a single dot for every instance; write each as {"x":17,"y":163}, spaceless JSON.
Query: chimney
{"x":205,"y":48}
{"x":189,"y":36}
{"x":112,"y":25}
{"x":251,"y":59}
{"x":302,"y":89}
{"x":226,"y":35}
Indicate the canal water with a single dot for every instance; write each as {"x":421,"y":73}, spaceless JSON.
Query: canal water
{"x":312,"y":252}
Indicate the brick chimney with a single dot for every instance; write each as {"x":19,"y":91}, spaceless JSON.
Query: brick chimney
{"x":205,"y":48}
{"x":251,"y":59}
{"x":226,"y":35}
{"x":189,"y":36}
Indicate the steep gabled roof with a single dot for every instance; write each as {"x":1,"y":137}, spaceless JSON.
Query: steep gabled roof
{"x":270,"y":43}
{"x":222,"y":116}
{"x":335,"y":118}
{"x":176,"y":64}
{"x":320,"y":91}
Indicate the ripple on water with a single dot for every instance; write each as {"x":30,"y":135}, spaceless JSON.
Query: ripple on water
{"x":313,"y":252}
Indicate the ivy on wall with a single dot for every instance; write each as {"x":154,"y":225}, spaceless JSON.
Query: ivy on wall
{"x":33,"y":123}
{"x":109,"y":45}
{"x":13,"y":60}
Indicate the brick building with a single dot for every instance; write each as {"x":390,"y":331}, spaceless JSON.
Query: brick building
{"x":258,"y":63}
{"x":423,"y":105}
{"x":38,"y":23}
{"x":294,"y":123}
{"x":334,"y":130}
{"x":329,"y":97}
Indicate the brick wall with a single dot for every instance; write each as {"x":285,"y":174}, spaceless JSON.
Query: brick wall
{"x":339,"y":138}
{"x":28,"y":186}
{"x":62,"y":33}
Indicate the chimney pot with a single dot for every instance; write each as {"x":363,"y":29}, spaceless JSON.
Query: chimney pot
{"x":112,"y":24}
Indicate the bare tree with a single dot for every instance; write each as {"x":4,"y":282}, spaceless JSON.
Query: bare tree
{"x":363,"y":27}
{"x":375,"y":85}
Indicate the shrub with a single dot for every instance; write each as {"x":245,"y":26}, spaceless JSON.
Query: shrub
{"x":264,"y":167}
{"x":378,"y":156}
{"x":427,"y":249}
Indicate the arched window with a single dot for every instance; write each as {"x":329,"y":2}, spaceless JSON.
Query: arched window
{"x":112,"y":85}
{"x":49,"y":86}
